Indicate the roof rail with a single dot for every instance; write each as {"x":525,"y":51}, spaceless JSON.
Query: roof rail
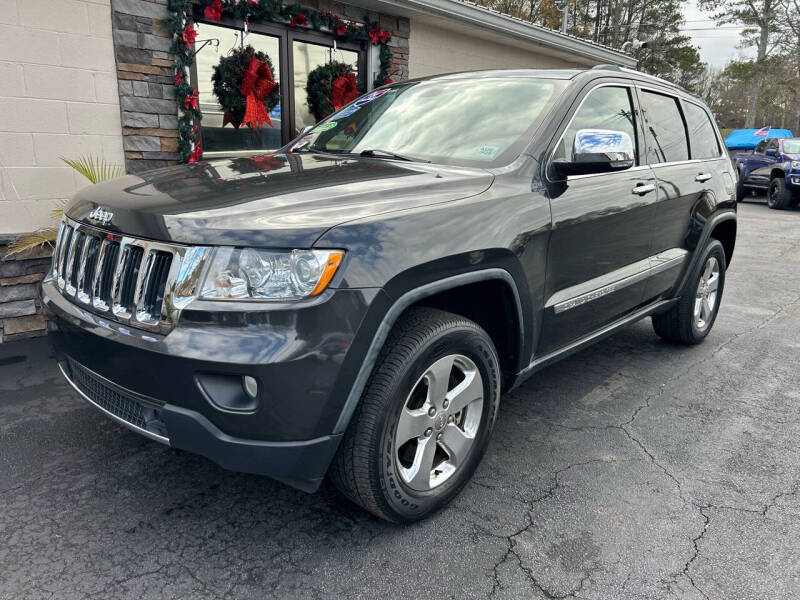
{"x":606,"y":68}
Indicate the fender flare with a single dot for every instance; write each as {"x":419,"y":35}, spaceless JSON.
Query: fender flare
{"x":705,"y":234}
{"x":394,"y":312}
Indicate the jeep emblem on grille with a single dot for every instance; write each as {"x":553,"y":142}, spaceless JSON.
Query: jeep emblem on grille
{"x":102,"y":215}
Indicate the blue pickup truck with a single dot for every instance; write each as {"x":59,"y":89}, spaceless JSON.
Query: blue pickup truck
{"x":773,"y":166}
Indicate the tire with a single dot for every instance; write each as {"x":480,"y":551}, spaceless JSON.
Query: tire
{"x":740,"y":189}
{"x":778,"y":197}
{"x":374,"y":467}
{"x":681,"y":323}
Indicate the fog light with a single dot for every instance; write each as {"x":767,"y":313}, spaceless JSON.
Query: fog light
{"x":229,"y":393}
{"x":796,"y":180}
{"x":250,"y":386}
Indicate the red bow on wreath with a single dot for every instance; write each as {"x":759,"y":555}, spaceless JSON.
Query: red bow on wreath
{"x":189,"y":35}
{"x":213,"y":11}
{"x":343,"y":90}
{"x":299,"y":20}
{"x":379,"y":36}
{"x":191,"y":100}
{"x":257,"y":84}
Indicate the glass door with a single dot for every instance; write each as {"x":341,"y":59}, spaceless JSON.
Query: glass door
{"x":216,"y":139}
{"x":307,"y":56}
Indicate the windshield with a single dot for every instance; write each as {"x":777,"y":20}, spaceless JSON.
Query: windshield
{"x":466,"y":122}
{"x":791,"y":146}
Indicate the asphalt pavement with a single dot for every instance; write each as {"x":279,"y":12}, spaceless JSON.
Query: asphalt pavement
{"x":634,"y":469}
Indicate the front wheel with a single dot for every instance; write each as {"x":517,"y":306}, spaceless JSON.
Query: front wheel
{"x":778,"y":196}
{"x":690,"y":320}
{"x":425,"y":418}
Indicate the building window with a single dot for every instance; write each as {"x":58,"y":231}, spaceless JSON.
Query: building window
{"x":309,"y":49}
{"x":216,"y":138}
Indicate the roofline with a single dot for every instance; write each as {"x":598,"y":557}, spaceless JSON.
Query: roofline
{"x":505,"y":25}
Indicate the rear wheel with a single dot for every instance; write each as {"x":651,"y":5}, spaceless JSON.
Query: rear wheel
{"x":425,"y":418}
{"x":778,"y":197}
{"x":690,"y":320}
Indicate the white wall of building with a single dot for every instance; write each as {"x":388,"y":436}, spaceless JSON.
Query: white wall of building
{"x":436,"y":50}
{"x":58,"y":97}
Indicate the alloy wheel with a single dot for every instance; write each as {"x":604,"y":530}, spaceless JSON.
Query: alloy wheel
{"x":439,"y":422}
{"x":706,"y":295}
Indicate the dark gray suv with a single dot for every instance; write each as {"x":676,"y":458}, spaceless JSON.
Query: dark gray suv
{"x":354,"y":305}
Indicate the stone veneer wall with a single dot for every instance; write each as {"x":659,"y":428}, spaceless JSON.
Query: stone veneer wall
{"x":144,"y":69}
{"x":20,"y":306}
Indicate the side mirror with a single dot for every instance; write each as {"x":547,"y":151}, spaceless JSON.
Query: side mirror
{"x":772,"y":152}
{"x":597,"y":151}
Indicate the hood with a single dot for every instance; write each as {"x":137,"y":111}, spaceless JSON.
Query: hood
{"x":275,"y":200}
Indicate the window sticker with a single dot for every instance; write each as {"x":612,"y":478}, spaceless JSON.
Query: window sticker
{"x":487,"y":152}
{"x":346,"y":112}
{"x":370,"y":97}
{"x":326,"y":126}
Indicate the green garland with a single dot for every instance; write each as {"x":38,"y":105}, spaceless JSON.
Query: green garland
{"x":181,"y":24}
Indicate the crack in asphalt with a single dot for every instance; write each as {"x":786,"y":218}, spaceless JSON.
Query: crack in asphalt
{"x":511,"y":540}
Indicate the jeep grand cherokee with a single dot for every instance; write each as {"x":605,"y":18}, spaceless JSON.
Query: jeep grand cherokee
{"x":355,"y":304}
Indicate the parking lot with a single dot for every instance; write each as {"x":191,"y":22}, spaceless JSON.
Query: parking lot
{"x":634,"y":469}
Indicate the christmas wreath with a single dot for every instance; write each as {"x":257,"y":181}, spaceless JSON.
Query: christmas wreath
{"x":329,"y":88}
{"x":245,"y":87}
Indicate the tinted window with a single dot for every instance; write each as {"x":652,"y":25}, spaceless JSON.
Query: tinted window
{"x":772,"y":145}
{"x":762,"y":145}
{"x":604,"y":108}
{"x":666,"y":140}
{"x":702,"y":134}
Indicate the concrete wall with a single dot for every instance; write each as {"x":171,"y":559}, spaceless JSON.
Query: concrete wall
{"x":437,"y":50}
{"x":58,"y":97}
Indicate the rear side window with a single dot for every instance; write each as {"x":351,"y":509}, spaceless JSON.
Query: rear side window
{"x":604,"y":108}
{"x":666,"y":133}
{"x":702,"y":134}
{"x":761,"y":147}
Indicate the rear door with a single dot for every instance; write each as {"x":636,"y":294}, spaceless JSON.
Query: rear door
{"x":692,"y":172}
{"x":754,"y":163}
{"x":601,"y":226}
{"x":761,"y":173}
{"x":679,"y":185}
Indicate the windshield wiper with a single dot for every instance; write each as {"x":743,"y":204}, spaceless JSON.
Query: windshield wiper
{"x":377,"y":152}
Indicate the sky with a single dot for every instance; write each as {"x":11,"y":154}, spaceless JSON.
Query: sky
{"x":717,"y":45}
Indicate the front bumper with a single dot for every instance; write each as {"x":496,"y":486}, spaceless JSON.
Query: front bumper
{"x":302,"y":358}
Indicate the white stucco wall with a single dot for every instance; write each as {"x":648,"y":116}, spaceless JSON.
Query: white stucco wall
{"x":58,"y":97}
{"x":436,"y":50}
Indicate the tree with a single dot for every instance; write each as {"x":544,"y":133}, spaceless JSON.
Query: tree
{"x":790,"y":33}
{"x":670,"y":54}
{"x":761,"y":21}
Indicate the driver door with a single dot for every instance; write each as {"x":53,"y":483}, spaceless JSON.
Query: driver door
{"x":602,"y":226}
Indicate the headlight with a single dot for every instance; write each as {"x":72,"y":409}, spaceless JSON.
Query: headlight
{"x":796,"y":164}
{"x":248,"y":273}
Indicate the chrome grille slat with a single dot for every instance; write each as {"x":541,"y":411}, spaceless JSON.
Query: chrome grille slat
{"x":126,"y":279}
{"x":69,"y":267}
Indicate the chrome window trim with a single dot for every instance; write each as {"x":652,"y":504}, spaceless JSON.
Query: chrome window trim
{"x":681,"y":99}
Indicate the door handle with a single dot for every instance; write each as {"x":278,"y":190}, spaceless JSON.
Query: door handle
{"x":643,"y":188}
{"x":702,"y":177}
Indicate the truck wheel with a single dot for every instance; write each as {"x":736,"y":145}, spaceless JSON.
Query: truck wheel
{"x":740,"y":189}
{"x":690,"y":320}
{"x":778,"y":196}
{"x":424,"y":420}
